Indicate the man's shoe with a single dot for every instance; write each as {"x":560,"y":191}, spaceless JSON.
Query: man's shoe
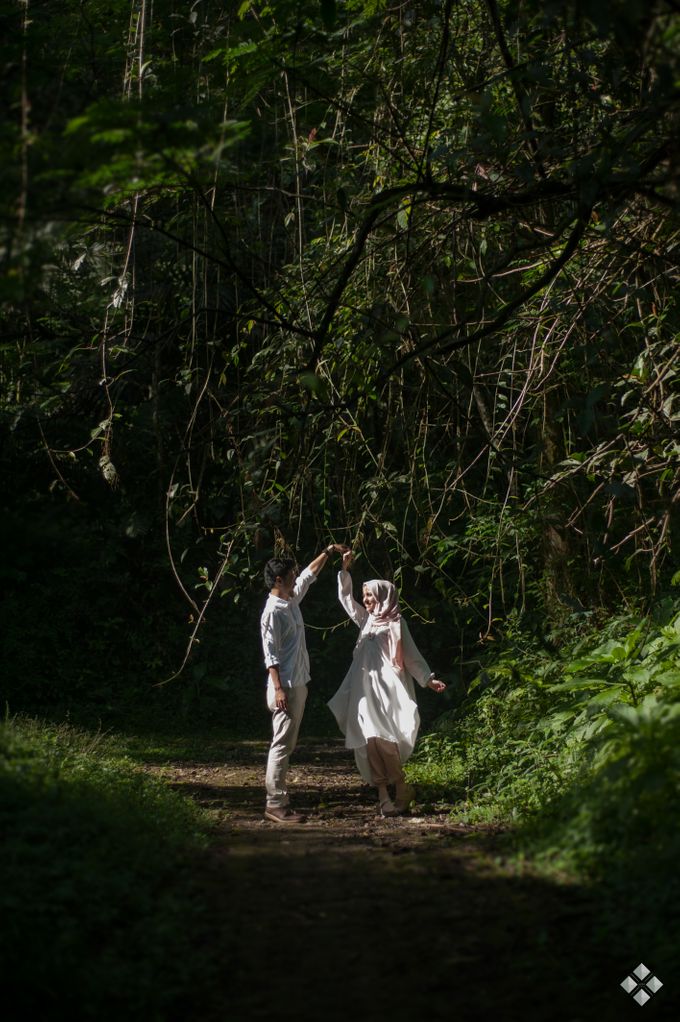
{"x":283,"y":815}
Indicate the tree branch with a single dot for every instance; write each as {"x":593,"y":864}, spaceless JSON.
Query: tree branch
{"x":505,"y":313}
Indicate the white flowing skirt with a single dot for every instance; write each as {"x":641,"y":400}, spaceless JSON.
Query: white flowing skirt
{"x":375,"y":700}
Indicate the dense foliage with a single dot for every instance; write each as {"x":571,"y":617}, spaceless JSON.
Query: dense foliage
{"x":580,"y":753}
{"x":403,"y":275}
{"x":98,"y":896}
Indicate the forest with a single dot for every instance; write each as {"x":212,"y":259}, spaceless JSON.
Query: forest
{"x":398,"y":275}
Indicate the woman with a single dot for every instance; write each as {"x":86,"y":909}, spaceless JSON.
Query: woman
{"x":375,"y":706}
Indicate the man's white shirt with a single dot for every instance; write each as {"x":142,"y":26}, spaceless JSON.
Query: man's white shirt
{"x":283,"y":633}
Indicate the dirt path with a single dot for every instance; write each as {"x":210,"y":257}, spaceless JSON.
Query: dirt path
{"x":355,"y":917}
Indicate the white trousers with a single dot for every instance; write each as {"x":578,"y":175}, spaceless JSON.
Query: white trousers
{"x":285,"y":728}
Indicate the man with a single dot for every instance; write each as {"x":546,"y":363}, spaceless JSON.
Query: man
{"x":287,"y":661}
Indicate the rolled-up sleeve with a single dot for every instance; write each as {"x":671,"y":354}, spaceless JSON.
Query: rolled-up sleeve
{"x":271,"y":643}
{"x":302,"y":584}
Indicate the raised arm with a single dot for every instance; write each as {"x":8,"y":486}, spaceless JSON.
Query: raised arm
{"x":310,"y":573}
{"x":317,"y":564}
{"x":354,"y":610}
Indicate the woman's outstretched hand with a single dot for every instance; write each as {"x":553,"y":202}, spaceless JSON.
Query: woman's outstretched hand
{"x":436,"y":685}
{"x":347,"y":559}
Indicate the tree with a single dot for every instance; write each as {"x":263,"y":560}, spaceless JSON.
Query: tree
{"x":403,"y":273}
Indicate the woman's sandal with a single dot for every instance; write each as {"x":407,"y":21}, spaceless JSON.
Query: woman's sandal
{"x":388,"y":808}
{"x":407,"y":797}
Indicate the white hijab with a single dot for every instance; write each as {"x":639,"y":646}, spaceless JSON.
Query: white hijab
{"x":387,"y":612}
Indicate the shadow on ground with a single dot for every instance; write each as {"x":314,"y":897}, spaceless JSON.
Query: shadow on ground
{"x":355,"y":917}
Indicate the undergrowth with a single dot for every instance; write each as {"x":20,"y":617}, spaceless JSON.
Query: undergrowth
{"x":578,"y":749}
{"x":97,"y":897}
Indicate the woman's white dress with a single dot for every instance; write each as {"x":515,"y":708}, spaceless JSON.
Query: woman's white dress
{"x":376,"y":699}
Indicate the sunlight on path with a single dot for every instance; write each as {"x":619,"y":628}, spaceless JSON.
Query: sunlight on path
{"x":352,"y":916}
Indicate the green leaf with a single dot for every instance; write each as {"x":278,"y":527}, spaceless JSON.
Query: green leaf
{"x":638,"y":675}
{"x":625,"y":715}
{"x":617,"y":693}
{"x":670,"y":678}
{"x":576,"y":685}
{"x":313,"y":383}
{"x":556,"y":721}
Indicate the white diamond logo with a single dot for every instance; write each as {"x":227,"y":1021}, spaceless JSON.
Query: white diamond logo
{"x":642,"y":985}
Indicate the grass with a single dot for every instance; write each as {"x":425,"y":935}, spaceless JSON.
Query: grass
{"x":577,"y":756}
{"x":104,"y":919}
{"x":97,"y":898}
